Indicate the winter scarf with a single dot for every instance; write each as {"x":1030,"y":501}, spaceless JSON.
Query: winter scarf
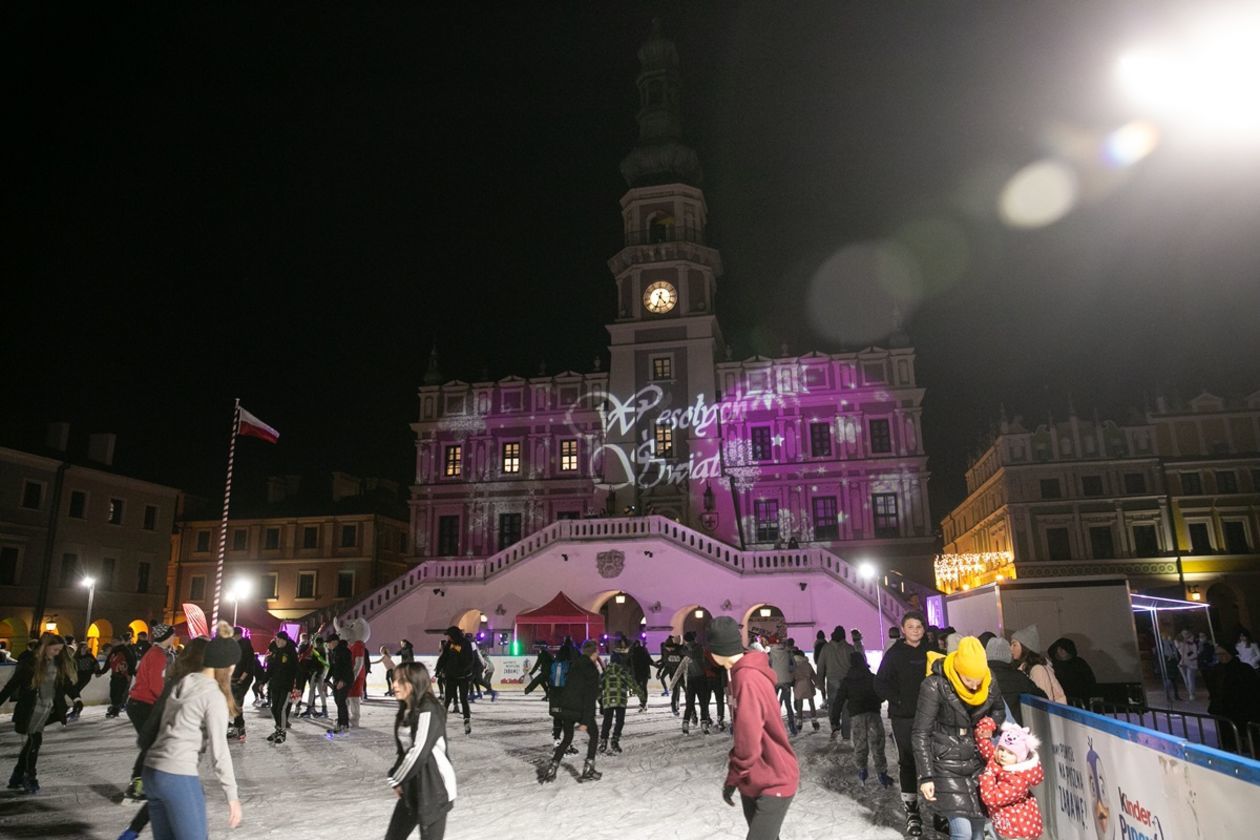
{"x":968,"y":661}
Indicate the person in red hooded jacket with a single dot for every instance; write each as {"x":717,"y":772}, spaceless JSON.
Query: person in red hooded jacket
{"x":1012,"y":769}
{"x":762,"y":765}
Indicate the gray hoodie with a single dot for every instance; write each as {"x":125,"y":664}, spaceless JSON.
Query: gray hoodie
{"x":196,"y":713}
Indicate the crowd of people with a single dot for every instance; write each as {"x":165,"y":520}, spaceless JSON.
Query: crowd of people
{"x":961,"y":748}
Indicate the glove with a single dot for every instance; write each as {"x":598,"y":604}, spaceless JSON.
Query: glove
{"x":728,"y":795}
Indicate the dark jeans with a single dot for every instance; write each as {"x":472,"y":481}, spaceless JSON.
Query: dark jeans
{"x":785,"y":698}
{"x":611,"y":714}
{"x":675,"y":693}
{"x":457,"y":694}
{"x":280,"y":706}
{"x":118,"y":685}
{"x":28,"y":758}
{"x":567,"y":728}
{"x":698,"y":688}
{"x":239,"y":690}
{"x":719,"y":696}
{"x":138,"y":713}
{"x":901,"y":728}
{"x":540,"y":680}
{"x":343,"y":708}
{"x":765,"y":815}
{"x":406,"y":821}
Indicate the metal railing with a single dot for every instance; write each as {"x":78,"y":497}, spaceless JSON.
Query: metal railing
{"x":1196,"y":727}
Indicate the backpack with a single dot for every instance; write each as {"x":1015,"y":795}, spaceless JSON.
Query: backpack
{"x":559,"y":672}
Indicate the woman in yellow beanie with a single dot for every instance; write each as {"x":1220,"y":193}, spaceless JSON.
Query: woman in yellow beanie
{"x":959,"y":690}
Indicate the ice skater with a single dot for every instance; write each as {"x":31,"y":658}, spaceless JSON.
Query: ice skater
{"x":242,"y":676}
{"x":422,"y":777}
{"x":341,"y":673}
{"x":150,"y":677}
{"x":575,"y":708}
{"x":281,"y":681}
{"x":40,"y":684}
{"x":542,"y":667}
{"x":615,"y":687}
{"x":856,"y":692}
{"x":804,"y":688}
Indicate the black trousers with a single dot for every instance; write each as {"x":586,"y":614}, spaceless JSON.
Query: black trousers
{"x":280,"y":705}
{"x":28,"y":758}
{"x":138,"y":713}
{"x":404,"y":821}
{"x":457,"y":694}
{"x":719,"y":696}
{"x":567,"y":728}
{"x":698,"y":689}
{"x":239,"y":689}
{"x":118,"y":685}
{"x":613,"y":714}
{"x":901,"y":728}
{"x":765,"y":815}
{"x":540,"y":680}
{"x":343,"y":708}
{"x":674,"y":693}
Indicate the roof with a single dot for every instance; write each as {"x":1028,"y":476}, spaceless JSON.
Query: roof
{"x":559,"y":608}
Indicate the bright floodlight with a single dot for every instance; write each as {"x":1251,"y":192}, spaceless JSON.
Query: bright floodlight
{"x":241,"y":587}
{"x":1205,"y":79}
{"x":89,"y":582}
{"x":866,"y":570}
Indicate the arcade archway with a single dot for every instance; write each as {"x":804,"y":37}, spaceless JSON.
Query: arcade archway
{"x":14,"y":633}
{"x":765,"y":620}
{"x":137,"y":627}
{"x":622,"y":614}
{"x":101,"y":632}
{"x":696,"y":619}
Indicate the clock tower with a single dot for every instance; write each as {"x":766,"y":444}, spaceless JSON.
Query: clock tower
{"x":665,"y":340}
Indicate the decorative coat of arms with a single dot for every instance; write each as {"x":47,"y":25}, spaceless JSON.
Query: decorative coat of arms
{"x":610,"y":563}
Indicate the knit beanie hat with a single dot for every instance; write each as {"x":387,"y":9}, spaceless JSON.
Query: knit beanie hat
{"x":1017,"y":740}
{"x":952,"y":641}
{"x":998,"y":650}
{"x":969,"y":659}
{"x":724,"y":637}
{"x":222,"y":653}
{"x":1028,"y":637}
{"x":589,"y":647}
{"x":162,"y":632}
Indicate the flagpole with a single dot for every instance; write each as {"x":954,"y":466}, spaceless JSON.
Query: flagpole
{"x":227,"y":501}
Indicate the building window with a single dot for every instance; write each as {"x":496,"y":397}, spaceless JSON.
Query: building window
{"x":1058,"y":544}
{"x":662,"y":367}
{"x":240,"y":539}
{"x":349,"y":536}
{"x":826,"y":518}
{"x":567,"y":514}
{"x":142,"y":577}
{"x":32,"y":494}
{"x":1050,"y":489}
{"x":69,"y":570}
{"x":402,"y":543}
{"x":881,"y":436}
{"x":1134,"y":483}
{"x":271,"y":538}
{"x":1200,"y":538}
{"x":197,"y":588}
{"x":1145,"y":543}
{"x":511,"y":458}
{"x":269,"y":585}
{"x":509,"y":529}
{"x":767,"y":511}
{"x":345,"y":584}
{"x":448,"y":535}
{"x":454,"y":462}
{"x":78,"y":505}
{"x":820,"y":440}
{"x":759,"y":438}
{"x":1091,"y":485}
{"x":568,"y":455}
{"x":884,"y":508}
{"x":115,"y":511}
{"x":1101,"y":543}
{"x":1191,"y":484}
{"x":664,"y":442}
{"x":203,"y":541}
{"x":306,"y":585}
{"x":310,"y":536}
{"x":8,"y":565}
{"x":108,"y":566}
{"x":150,"y":518}
{"x":1226,"y":481}
{"x":1236,"y":541}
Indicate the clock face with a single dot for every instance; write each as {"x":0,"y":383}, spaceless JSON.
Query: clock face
{"x":660,"y":297}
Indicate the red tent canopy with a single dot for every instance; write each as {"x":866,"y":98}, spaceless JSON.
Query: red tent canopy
{"x":556,"y":619}
{"x":260,"y":625}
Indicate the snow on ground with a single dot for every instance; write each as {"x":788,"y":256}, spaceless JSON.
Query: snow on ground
{"x":665,"y":785}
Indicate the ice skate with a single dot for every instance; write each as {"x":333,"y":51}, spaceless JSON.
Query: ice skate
{"x":885,"y":780}
{"x":549,"y":775}
{"x":30,"y":784}
{"x":686,"y":726}
{"x":817,"y":725}
{"x":603,"y":745}
{"x":862,"y":774}
{"x":615,"y":749}
{"x":135,"y":791}
{"x":721,"y":725}
{"x":914,"y":820}
{"x":467,"y":727}
{"x":572,"y":750}
{"x":589,"y":773}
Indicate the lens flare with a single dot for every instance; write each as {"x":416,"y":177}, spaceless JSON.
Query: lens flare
{"x":1038,"y":195}
{"x":1130,"y":143}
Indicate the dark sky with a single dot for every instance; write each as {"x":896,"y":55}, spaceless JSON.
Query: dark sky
{"x":290,"y":203}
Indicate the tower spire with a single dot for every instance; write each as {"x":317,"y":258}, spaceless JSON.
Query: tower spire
{"x":432,"y":373}
{"x":660,"y":157}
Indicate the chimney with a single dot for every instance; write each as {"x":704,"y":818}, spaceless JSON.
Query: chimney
{"x":58,"y":436}
{"x":101,"y":447}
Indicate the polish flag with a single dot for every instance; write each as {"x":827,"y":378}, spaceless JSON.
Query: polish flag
{"x":251,"y":426}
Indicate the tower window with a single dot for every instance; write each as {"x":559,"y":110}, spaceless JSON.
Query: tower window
{"x":664,"y":441}
{"x":662,"y":367}
{"x":511,"y":458}
{"x":568,"y":455}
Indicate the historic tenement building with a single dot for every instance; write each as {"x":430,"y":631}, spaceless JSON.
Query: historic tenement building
{"x":734,"y":462}
{"x":1171,"y":499}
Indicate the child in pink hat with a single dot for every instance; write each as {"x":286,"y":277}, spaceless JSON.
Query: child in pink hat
{"x":1012,"y":769}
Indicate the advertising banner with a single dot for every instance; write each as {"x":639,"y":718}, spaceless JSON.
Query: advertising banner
{"x":1110,"y":780}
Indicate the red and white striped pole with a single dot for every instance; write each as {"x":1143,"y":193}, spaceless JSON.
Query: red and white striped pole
{"x":223,"y":526}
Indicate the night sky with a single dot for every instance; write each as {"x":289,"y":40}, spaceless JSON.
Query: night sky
{"x":290,"y":203}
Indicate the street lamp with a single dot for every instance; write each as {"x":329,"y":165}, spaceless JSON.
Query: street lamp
{"x":867,"y":571}
{"x":240,"y":588}
{"x":90,"y":583}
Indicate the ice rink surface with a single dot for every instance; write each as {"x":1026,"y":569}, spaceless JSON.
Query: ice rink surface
{"x":665,"y":785}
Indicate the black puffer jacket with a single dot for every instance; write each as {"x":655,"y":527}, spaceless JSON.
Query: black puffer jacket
{"x":944,"y":742}
{"x":900,"y":675}
{"x":19,"y":688}
{"x":576,"y":701}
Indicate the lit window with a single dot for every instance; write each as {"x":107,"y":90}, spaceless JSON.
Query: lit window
{"x":568,"y":455}
{"x":511,"y":458}
{"x":664,"y":441}
{"x":454,"y":461}
{"x":662,"y":367}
